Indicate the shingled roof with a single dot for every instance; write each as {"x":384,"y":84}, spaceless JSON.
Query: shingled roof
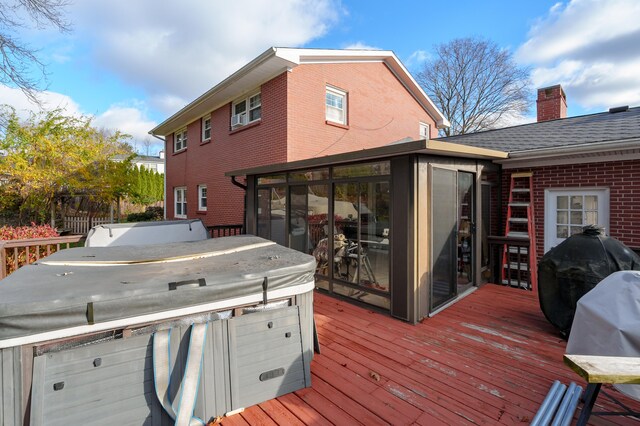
{"x":565,"y":132}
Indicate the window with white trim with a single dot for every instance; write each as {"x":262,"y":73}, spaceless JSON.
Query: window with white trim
{"x":180,"y":140}
{"x":180,"y":201}
{"x":206,"y":129}
{"x":424,"y":131}
{"x":202,"y":197}
{"x":568,"y":210}
{"x":336,"y":105}
{"x":247,"y":110}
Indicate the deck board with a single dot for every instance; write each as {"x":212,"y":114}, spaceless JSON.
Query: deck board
{"x":488,"y":359}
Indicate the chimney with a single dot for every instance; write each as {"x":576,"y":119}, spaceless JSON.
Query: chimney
{"x":161,"y":155}
{"x":552,"y":103}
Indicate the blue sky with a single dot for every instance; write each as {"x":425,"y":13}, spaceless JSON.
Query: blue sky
{"x":132,"y":64}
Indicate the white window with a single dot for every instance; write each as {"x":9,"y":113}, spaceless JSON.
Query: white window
{"x":336,"y":105}
{"x":424,"y":131}
{"x":568,"y":210}
{"x":206,"y":129}
{"x":202,"y":197}
{"x":180,"y":140}
{"x":180,"y":197}
{"x":246,"y":110}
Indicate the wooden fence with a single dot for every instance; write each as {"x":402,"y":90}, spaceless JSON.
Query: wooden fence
{"x":17,"y":253}
{"x":81,"y":224}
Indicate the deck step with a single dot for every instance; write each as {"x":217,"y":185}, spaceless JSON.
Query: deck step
{"x":519,"y":204}
{"x":520,"y":189}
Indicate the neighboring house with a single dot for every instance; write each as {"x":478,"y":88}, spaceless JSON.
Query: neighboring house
{"x":150,"y":162}
{"x":586,"y":169}
{"x":287,"y":105}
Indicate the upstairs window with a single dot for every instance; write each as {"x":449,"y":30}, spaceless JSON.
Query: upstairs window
{"x":180,"y":140}
{"x":336,"y":105}
{"x":424,"y":131}
{"x":202,"y":197}
{"x":206,"y":129}
{"x":180,"y":197}
{"x":247,"y":110}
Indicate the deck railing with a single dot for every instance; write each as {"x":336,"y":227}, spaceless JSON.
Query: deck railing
{"x":517,"y":268}
{"x":216,"y":231}
{"x":17,"y":253}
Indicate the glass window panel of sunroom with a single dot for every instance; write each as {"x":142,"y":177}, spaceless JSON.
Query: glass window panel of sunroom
{"x":576,"y":202}
{"x":576,"y":218}
{"x":591,"y":202}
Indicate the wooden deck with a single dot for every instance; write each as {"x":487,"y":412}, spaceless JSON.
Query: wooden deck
{"x":488,"y":359}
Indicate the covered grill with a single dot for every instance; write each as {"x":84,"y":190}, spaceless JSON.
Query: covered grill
{"x":570,"y":270}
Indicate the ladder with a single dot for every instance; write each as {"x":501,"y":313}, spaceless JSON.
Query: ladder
{"x":519,"y":266}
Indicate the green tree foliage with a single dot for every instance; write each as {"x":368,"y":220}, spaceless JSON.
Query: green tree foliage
{"x":51,"y":154}
{"x":147,"y":186}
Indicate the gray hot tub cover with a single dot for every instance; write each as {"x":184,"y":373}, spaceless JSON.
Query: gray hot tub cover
{"x":80,"y":286}
{"x":607,"y":321}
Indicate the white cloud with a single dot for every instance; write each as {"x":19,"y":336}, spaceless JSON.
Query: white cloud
{"x":360,"y":46}
{"x":49,"y":101}
{"x":181,"y":49}
{"x":130,"y":118}
{"x":591,"y":47}
{"x":417,"y":59}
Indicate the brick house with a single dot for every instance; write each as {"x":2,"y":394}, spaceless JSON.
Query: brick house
{"x":586,"y":169}
{"x":287,"y":105}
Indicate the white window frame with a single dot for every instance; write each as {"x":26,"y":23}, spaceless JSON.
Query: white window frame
{"x":330,"y":90}
{"x":248,"y":108}
{"x":424,"y":131}
{"x":201,"y":207}
{"x":180,"y":140}
{"x":206,"y":128}
{"x":551,"y":209}
{"x":182,"y":200}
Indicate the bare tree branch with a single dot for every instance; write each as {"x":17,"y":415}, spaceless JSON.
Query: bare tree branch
{"x":19,"y":63}
{"x":475,"y":84}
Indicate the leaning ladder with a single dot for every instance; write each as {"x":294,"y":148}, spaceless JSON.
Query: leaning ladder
{"x":519,"y":266}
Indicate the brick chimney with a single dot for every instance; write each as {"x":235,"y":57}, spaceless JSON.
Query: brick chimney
{"x":552,"y":103}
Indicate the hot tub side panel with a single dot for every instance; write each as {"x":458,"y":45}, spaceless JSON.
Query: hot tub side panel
{"x":11,"y":398}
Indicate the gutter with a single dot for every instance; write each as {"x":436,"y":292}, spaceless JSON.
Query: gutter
{"x":585,"y":148}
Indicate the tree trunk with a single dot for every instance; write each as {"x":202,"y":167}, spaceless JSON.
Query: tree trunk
{"x":53,"y":213}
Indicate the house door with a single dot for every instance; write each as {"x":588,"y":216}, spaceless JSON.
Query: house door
{"x":452,"y":234}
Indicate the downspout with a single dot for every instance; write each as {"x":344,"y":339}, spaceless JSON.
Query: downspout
{"x":164,"y":175}
{"x":244,"y":210}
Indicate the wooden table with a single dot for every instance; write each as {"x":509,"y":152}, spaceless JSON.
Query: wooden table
{"x":597,"y":370}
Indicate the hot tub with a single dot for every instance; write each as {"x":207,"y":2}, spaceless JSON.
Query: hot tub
{"x":77,"y":330}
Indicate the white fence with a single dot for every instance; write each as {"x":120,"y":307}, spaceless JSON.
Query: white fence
{"x":82,"y":224}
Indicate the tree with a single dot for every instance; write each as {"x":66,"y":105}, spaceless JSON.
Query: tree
{"x":51,"y":154}
{"x":476,"y":84}
{"x":17,"y":59}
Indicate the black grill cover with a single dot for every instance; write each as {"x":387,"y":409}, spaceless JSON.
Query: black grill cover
{"x":570,"y":270}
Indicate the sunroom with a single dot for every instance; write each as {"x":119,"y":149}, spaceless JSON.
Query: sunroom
{"x":402,"y":228}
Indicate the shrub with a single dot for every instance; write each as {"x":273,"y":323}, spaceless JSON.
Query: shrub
{"x":151,"y":214}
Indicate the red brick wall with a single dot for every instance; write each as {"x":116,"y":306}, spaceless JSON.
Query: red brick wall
{"x":380,"y":110}
{"x":622,"y":178}
{"x":253,"y":145}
